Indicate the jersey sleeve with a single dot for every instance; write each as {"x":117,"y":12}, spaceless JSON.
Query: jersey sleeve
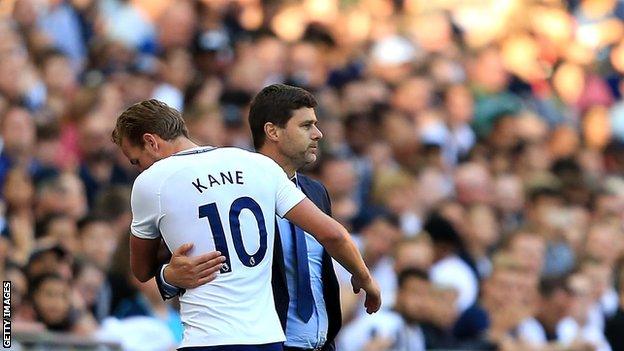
{"x":287,"y":195}
{"x":145,"y":209}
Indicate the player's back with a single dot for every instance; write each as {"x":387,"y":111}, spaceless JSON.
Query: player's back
{"x":225,"y":199}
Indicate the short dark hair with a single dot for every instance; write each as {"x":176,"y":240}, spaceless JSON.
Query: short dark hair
{"x":149,"y":116}
{"x":539,"y":192}
{"x":88,"y":220}
{"x":509,"y":239}
{"x":36,"y":282}
{"x":276,"y":103}
{"x":408,"y":273}
{"x":43,"y":226}
{"x":47,"y":54}
{"x":442,"y":231}
{"x":550,"y":285}
{"x":113,"y":202}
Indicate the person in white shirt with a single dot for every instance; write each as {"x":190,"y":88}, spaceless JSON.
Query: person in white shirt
{"x":397,"y":329}
{"x":448,"y":269}
{"x":585,"y":321}
{"x":222,"y":199}
{"x":556,"y":326}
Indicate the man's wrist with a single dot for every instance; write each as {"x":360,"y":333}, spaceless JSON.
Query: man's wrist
{"x":364,"y":277}
{"x":163,"y":276}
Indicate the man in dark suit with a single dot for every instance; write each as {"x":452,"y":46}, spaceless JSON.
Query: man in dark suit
{"x":305,"y":287}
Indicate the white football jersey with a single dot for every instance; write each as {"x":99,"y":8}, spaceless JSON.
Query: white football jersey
{"x":219,"y":199}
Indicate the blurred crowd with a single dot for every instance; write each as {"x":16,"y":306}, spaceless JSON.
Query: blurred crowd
{"x":475,"y":149}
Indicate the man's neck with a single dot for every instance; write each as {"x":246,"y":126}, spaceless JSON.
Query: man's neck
{"x":181,"y":144}
{"x":280,"y":159}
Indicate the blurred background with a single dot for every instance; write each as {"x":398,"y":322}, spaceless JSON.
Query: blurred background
{"x":475,"y":149}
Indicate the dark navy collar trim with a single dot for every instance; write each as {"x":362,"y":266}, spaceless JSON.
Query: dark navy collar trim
{"x":195,"y":151}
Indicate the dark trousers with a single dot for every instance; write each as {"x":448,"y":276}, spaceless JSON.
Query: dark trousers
{"x":287,"y":348}
{"x":277,"y":346}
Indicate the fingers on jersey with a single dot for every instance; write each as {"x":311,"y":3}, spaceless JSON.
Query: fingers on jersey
{"x":210,"y":266}
{"x":202,"y":269}
{"x":183,"y":250}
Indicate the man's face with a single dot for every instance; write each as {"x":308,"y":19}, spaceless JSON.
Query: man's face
{"x":530,"y":250}
{"x":94,"y":141}
{"x":52,"y":300}
{"x":89,"y":283}
{"x":411,"y":301}
{"x":299,"y":138}
{"x":138,"y":156}
{"x":503,"y":288}
{"x":600,"y":276}
{"x":604,"y":242}
{"x":380,"y":236}
{"x":64,"y":231}
{"x":99,"y":242}
{"x":556,"y":306}
{"x":580,"y":287}
{"x":18,"y":131}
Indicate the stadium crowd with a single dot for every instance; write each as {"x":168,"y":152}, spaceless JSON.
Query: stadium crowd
{"x":475,"y":150}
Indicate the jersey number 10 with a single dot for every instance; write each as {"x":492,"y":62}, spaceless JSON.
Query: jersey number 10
{"x":212,"y":213}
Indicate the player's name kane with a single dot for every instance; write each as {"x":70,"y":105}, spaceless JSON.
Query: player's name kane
{"x":222,"y":178}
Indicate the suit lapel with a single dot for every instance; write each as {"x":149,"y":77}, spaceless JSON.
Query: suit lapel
{"x":278,"y":280}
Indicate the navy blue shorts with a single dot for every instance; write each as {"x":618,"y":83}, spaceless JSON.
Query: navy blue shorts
{"x":277,"y":346}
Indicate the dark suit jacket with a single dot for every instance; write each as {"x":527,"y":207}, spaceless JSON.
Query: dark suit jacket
{"x":317,"y":193}
{"x":614,"y":328}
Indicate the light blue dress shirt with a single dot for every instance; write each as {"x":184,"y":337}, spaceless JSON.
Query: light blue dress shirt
{"x":300,"y":334}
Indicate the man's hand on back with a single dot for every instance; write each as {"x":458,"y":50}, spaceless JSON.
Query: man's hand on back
{"x":190,"y":272}
{"x":373,"y":294}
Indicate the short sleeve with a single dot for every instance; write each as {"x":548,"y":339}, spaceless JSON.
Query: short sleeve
{"x":145,"y":209}
{"x":287,"y":195}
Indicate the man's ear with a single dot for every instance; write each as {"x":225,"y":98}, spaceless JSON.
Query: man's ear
{"x":271,"y":131}
{"x":150,"y":142}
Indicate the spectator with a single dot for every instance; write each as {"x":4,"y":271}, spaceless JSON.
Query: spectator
{"x":50,"y":295}
{"x":480,"y":235}
{"x":552,"y":307}
{"x":97,"y":241}
{"x":61,"y":229}
{"x":448,"y":269}
{"x":528,"y":247}
{"x":147,"y":302}
{"x":49,"y":258}
{"x":582,"y":324}
{"x":504,"y":304}
{"x":89,"y":282}
{"x":549,"y":217}
{"x":99,"y":168}
{"x":62,"y":193}
{"x":394,"y":330}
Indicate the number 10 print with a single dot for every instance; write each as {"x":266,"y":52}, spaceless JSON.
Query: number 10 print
{"x":216,"y":226}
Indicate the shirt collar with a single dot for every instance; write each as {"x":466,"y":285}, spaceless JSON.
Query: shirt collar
{"x":295,"y":179}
